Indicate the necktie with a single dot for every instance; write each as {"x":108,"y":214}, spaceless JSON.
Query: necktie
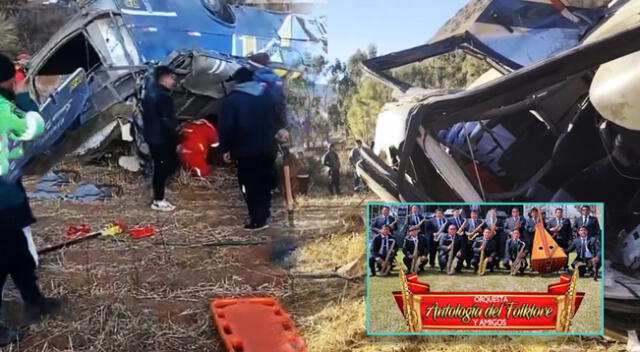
{"x":584,"y":248}
{"x":415,"y":219}
{"x":386,"y":220}
{"x":584,"y":221}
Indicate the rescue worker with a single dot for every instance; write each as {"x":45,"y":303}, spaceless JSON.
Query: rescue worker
{"x":248,"y":129}
{"x":332,"y":161}
{"x":161,"y":133}
{"x":18,"y":257}
{"x":197,"y":138}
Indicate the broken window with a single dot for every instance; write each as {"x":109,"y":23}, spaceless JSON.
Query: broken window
{"x":221,"y":10}
{"x":75,"y":53}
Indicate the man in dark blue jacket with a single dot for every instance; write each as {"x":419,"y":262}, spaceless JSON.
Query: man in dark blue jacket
{"x":161,"y":133}
{"x":18,"y":257}
{"x":248,"y":129}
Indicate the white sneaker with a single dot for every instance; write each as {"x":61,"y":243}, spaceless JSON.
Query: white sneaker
{"x":162,"y":205}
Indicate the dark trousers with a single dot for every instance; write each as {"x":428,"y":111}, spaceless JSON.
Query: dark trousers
{"x":507,"y":266}
{"x":373,"y":264}
{"x":501,"y":243}
{"x":16,"y":260}
{"x":475,"y":263}
{"x":165,"y":163}
{"x":444,"y":257}
{"x":333,"y":178}
{"x":258,"y":176}
{"x":589,"y":266}
{"x":408,"y":261}
{"x":432,"y":249}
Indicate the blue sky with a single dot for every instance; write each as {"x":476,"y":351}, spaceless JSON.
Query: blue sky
{"x":390,"y":24}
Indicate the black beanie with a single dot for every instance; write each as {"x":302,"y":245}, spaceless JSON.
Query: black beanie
{"x":7,"y":69}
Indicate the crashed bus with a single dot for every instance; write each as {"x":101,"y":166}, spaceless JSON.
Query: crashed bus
{"x":89,"y":77}
{"x":555,"y":115}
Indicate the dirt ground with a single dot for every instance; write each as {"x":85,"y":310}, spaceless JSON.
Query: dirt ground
{"x":154,"y":294}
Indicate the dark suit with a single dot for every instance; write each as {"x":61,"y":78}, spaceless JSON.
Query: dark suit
{"x":587,"y":249}
{"x":530,"y":230}
{"x":409,"y":246}
{"x":379,"y":247}
{"x":490,"y":250}
{"x":432,"y":228}
{"x":413,"y":220}
{"x":592,"y":225}
{"x":563,"y":236}
{"x":512,"y":248}
{"x":509,"y":226}
{"x":381,"y":220}
{"x":445,"y":241}
{"x":471,"y":225}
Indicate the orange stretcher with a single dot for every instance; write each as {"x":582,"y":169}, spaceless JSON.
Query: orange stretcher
{"x":256,"y":325}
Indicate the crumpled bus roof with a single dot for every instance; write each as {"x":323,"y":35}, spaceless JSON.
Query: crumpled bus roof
{"x":525,"y":32}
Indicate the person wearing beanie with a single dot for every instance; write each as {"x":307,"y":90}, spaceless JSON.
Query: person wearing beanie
{"x":18,"y":258}
{"x":248,"y":130}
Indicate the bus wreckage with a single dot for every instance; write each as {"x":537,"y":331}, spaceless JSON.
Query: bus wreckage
{"x":557,"y":114}
{"x":88,"y":79}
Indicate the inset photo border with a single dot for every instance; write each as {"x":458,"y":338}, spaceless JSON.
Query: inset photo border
{"x":485,"y":268}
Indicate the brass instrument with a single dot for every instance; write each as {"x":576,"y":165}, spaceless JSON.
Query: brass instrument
{"x":482,"y":269}
{"x":554,"y":231}
{"x":452,"y":261}
{"x":436,"y":236}
{"x":386,"y":265}
{"x":475,"y":231}
{"x":414,"y":257}
{"x":519,"y":259}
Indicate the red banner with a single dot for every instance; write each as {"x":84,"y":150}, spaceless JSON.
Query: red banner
{"x":551,"y":310}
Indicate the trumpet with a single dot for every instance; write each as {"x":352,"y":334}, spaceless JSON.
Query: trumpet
{"x":452,"y":261}
{"x":476,"y":231}
{"x":386,"y":265}
{"x":519,"y":260}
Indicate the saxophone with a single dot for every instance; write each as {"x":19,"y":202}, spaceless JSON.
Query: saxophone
{"x":452,"y":261}
{"x":436,"y":236}
{"x":414,"y":257}
{"x":482,"y":269}
{"x":519,"y":260}
{"x":386,"y":265}
{"x":476,"y":231}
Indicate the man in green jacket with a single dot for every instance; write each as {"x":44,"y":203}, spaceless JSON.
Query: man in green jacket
{"x":18,"y":257}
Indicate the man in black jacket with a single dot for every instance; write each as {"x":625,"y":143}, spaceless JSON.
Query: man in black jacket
{"x":332,"y":161}
{"x":560,"y":229}
{"x":411,"y":241}
{"x":513,"y":249}
{"x":248,"y":131}
{"x":451,"y":241}
{"x":435,"y":228}
{"x":382,"y":245}
{"x":588,"y":250}
{"x":17,"y":250}
{"x":484,"y":246}
{"x":589,"y":221}
{"x":161,"y":133}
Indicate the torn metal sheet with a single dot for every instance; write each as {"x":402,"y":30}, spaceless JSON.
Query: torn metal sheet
{"x":93,"y":70}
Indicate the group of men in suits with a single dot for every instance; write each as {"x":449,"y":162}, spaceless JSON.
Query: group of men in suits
{"x":499,"y":242}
